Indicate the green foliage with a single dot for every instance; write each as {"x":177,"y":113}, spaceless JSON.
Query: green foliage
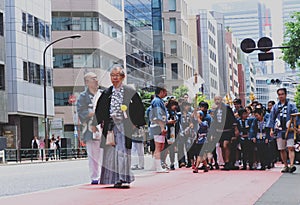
{"x":200,"y":98}
{"x":180,"y":91}
{"x":297,"y":97}
{"x":292,"y":34}
{"x":146,"y":97}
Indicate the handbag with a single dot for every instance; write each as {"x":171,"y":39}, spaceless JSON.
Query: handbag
{"x":110,"y":138}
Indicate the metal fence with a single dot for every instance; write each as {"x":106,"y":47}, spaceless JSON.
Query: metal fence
{"x":43,"y":154}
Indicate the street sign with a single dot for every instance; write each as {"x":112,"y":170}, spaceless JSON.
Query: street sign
{"x":247,"y":44}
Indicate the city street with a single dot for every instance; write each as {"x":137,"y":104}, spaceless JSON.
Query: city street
{"x":66,"y":182}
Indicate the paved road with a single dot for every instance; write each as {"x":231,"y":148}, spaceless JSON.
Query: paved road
{"x":177,"y":187}
{"x":24,"y":178}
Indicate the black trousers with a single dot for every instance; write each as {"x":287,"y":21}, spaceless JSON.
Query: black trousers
{"x":262,"y":153}
{"x":247,"y":151}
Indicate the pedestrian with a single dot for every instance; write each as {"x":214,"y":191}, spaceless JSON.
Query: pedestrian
{"x":58,"y":147}
{"x":247,"y":146}
{"x":85,"y":109}
{"x":200,"y":140}
{"x":137,"y":151}
{"x":35,"y":145}
{"x":260,"y":135}
{"x":158,"y":118}
{"x":52,"y":148}
{"x":237,"y":104}
{"x":279,"y":117}
{"x":150,"y":140}
{"x":224,"y":128}
{"x":120,"y":110}
{"x":186,"y":135}
{"x":173,"y":127}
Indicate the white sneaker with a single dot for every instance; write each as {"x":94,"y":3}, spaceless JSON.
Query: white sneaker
{"x":237,"y":164}
{"x":258,"y":166}
{"x":162,"y":170}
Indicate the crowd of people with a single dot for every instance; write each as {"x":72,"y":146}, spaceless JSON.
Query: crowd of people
{"x":251,"y":137}
{"x":38,"y":148}
{"x":205,"y":138}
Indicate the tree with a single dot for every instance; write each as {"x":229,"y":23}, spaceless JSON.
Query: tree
{"x":297,"y":97}
{"x":292,"y":36}
{"x":180,"y":91}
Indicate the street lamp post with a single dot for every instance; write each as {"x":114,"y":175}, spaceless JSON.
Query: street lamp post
{"x":45,"y":88}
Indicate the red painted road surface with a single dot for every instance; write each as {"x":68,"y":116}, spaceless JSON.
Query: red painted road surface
{"x":177,"y":187}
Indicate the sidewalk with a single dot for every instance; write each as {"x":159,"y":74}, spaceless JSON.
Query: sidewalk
{"x":178,"y":187}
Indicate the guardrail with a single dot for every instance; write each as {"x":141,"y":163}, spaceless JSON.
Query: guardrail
{"x":40,"y":154}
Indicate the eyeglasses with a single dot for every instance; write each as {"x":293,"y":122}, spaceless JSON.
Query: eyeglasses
{"x":116,"y":75}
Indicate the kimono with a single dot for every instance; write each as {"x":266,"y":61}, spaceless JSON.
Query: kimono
{"x":117,"y":159}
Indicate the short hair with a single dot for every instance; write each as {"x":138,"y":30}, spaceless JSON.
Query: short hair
{"x":171,"y":102}
{"x":203,"y":104}
{"x":259,"y":111}
{"x":118,"y":67}
{"x":241,"y":111}
{"x":272,"y":102}
{"x":159,"y":88}
{"x":237,"y":101}
{"x":185,"y":104}
{"x":282,"y":89}
{"x":250,"y":108}
{"x":89,"y":75}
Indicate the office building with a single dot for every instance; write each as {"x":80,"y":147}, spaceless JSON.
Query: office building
{"x":27,"y":33}
{"x":102,"y":43}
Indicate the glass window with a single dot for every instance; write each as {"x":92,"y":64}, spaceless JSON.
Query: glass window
{"x":30,"y":24}
{"x":36,"y":27}
{"x":62,"y":98}
{"x":88,"y":24}
{"x":47,"y":32}
{"x":78,"y":24}
{"x":173,"y":46}
{"x":49,"y":77}
{"x":31,"y":71}
{"x":173,"y":25}
{"x":174,"y":69}
{"x":2,"y":77}
{"x":172,"y":5}
{"x":95,"y":24}
{"x":25,"y":71}
{"x":41,"y":29}
{"x":23,"y":21}
{"x":156,"y":3}
{"x":37,"y":74}
{"x":1,"y":24}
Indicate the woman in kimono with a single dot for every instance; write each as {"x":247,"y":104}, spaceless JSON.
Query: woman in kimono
{"x":119,"y":110}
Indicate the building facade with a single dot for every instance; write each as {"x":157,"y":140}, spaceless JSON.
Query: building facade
{"x":179,"y":61}
{"x":232,"y":64}
{"x":139,"y":43}
{"x":26,"y":37}
{"x":102,"y":43}
{"x":247,"y":20}
{"x":3,"y":70}
{"x":208,"y":53}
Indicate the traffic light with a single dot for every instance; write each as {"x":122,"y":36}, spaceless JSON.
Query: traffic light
{"x":273,"y":81}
